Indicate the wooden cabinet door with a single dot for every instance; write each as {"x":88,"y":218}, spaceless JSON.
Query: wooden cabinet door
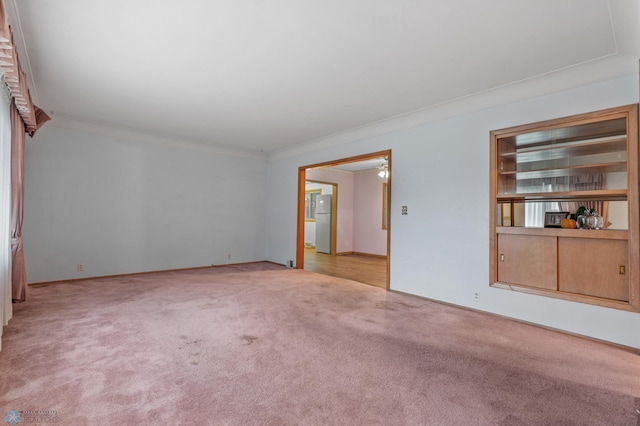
{"x":594,"y":267}
{"x":529,"y":260}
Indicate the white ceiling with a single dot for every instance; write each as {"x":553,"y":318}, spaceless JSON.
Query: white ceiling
{"x":262,"y":76}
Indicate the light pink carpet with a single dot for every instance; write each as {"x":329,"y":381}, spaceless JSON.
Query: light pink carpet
{"x":259,"y":345}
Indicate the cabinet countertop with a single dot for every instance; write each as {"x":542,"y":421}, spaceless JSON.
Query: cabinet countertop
{"x":604,"y":234}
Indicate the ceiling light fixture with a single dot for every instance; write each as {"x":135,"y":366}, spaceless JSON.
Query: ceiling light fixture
{"x":384,"y":171}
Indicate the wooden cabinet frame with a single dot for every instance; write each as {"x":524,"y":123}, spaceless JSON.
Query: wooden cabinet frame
{"x":631,"y":195}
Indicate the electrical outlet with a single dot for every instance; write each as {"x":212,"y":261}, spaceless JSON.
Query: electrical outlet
{"x":289,"y":263}
{"x":405,"y":210}
{"x":229,"y":256}
{"x":79,"y":267}
{"x":476,"y":296}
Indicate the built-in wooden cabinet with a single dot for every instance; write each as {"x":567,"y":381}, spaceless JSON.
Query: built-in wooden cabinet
{"x":601,"y":273}
{"x":529,"y":260}
{"x":556,"y":166}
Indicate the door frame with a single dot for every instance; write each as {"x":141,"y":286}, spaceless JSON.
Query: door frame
{"x":302,"y":178}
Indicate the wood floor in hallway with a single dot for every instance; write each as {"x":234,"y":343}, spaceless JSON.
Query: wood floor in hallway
{"x":365,"y":269}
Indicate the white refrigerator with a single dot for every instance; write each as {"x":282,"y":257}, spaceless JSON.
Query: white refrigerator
{"x":323,"y":223}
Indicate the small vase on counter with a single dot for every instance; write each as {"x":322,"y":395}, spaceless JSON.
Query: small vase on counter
{"x":590,"y":219}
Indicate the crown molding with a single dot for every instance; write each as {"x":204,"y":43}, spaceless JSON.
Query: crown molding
{"x":72,"y":123}
{"x":599,"y":70}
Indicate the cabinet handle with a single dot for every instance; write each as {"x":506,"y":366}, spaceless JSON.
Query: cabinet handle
{"x":622,"y":270}
{"x":502,"y":258}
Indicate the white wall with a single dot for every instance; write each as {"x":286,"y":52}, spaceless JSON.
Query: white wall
{"x":118,"y":205}
{"x":440,"y":250}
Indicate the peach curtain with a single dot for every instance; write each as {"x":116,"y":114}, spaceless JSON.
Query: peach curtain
{"x":18,"y":267}
{"x":587,"y":182}
{"x":16,"y":78}
{"x":25,"y":118}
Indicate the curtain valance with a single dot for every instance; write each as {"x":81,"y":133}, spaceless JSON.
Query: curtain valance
{"x":32,"y":116}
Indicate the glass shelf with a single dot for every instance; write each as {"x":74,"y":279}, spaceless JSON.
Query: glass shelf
{"x":568,"y":162}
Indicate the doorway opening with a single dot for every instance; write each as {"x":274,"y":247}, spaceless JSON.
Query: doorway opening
{"x":321,"y":216}
{"x":354,"y":233}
